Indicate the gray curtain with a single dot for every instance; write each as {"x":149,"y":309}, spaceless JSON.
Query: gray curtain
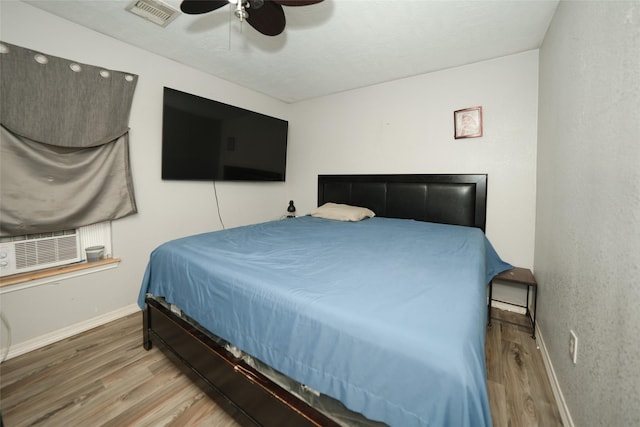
{"x":64,"y":143}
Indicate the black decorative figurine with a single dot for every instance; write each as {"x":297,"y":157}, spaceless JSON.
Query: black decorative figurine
{"x":291,"y":210}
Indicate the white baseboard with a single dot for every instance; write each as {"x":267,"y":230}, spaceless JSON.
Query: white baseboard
{"x":567,"y":421}
{"x":60,"y":334}
{"x":508,"y":307}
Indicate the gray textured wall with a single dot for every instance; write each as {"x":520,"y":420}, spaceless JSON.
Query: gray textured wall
{"x":587,"y":254}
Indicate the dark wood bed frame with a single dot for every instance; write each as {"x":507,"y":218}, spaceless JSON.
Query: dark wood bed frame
{"x":452,"y":199}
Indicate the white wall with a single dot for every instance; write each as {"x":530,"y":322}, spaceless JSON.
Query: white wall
{"x":166,"y":209}
{"x":406,"y":126}
{"x":587,"y":251}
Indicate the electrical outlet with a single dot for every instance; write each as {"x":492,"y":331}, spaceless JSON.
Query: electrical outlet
{"x":573,"y":346}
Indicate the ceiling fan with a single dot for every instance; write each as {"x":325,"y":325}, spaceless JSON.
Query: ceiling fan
{"x":266,"y":16}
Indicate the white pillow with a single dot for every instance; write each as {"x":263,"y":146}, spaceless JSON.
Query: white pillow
{"x":340,"y":212}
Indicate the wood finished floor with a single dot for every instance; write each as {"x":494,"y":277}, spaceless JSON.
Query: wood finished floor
{"x":104,"y":377}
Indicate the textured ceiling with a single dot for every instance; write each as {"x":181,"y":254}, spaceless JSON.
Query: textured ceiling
{"x":328,"y":47}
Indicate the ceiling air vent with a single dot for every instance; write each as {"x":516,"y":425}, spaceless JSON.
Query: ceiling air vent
{"x":154,"y":11}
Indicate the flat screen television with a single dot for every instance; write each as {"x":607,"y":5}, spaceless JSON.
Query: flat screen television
{"x":203,"y":139}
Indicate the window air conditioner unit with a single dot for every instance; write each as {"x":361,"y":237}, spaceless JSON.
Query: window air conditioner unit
{"x":20,"y":254}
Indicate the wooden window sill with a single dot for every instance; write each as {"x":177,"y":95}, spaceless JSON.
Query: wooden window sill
{"x":52,"y":274}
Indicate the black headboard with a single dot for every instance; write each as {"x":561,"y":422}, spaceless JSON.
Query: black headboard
{"x":451,"y":199}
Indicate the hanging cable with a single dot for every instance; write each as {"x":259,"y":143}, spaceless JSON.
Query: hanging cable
{"x":229,"y":29}
{"x":215,"y":193}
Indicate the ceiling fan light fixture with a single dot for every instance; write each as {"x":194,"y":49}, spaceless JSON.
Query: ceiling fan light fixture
{"x":240,"y":11}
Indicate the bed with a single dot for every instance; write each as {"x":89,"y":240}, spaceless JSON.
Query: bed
{"x":311,"y":321}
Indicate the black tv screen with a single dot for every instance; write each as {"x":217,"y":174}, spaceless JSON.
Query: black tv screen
{"x":204,"y":139}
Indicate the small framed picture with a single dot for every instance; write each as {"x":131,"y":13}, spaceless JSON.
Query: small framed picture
{"x":468,"y":122}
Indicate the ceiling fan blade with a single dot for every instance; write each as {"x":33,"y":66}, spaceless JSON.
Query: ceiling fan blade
{"x":196,"y":7}
{"x":269,"y":19}
{"x":297,"y":2}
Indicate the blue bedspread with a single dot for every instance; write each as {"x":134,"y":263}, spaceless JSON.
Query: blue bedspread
{"x":386,"y":315}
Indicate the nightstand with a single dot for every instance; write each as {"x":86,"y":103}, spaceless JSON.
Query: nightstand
{"x":523,"y":277}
